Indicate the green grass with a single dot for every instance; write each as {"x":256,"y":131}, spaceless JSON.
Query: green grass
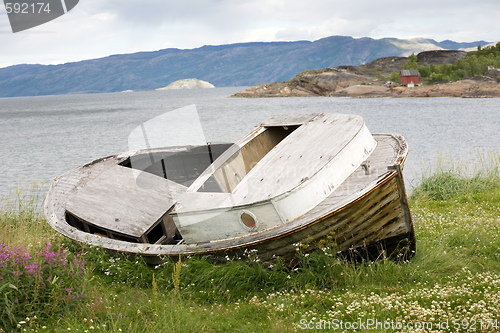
{"x":455,"y":274}
{"x":448,"y":177}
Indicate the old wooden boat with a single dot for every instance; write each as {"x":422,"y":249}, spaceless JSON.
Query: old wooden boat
{"x":293,"y":179}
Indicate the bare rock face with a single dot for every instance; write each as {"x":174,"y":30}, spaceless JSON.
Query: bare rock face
{"x":494,"y":74}
{"x":324,"y":82}
{"x":388,"y":64}
{"x":439,"y":57}
{"x":474,"y":88}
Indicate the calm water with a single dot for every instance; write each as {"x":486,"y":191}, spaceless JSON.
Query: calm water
{"x":41,"y":137}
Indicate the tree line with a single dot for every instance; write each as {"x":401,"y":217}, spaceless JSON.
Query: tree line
{"x":475,"y":63}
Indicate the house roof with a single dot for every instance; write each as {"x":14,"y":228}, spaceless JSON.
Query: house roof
{"x":409,"y":72}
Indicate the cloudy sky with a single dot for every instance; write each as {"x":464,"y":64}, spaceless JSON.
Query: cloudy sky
{"x":98,"y":28}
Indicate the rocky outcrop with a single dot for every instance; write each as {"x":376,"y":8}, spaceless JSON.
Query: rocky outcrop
{"x":188,"y":84}
{"x":440,"y":57}
{"x":371,"y":80}
{"x":493,"y":73}
{"x":473,"y":87}
{"x":312,"y":83}
{"x":387,"y":64}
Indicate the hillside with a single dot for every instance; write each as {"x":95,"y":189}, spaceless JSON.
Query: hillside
{"x":371,"y":80}
{"x":241,"y":64}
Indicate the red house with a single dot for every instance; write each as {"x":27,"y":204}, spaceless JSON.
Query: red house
{"x":407,"y":76}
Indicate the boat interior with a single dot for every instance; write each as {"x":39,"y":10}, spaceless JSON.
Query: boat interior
{"x":224,"y":165}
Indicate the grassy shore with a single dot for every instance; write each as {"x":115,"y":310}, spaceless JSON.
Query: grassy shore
{"x":451,"y":284}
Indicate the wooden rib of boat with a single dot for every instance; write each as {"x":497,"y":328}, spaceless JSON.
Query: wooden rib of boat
{"x":294,"y":179}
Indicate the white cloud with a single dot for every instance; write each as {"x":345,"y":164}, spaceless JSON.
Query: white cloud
{"x":96,"y":28}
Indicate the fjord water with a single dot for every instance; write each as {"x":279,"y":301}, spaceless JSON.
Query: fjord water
{"x":42,"y":137}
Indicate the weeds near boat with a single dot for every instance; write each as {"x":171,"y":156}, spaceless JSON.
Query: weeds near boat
{"x":176,"y":276}
{"x":448,"y":177}
{"x":454,"y":274}
{"x":37,"y":280}
{"x":38,"y":285}
{"x":21,"y":221}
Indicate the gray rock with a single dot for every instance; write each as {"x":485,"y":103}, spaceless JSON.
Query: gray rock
{"x":439,"y":57}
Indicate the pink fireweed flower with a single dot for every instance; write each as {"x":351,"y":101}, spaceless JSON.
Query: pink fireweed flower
{"x":33,"y":269}
{"x":36,"y":272}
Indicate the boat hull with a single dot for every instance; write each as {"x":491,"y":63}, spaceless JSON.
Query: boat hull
{"x":375,"y":225}
{"x":367,"y":216}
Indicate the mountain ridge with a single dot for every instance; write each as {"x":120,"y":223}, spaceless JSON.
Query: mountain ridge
{"x":239,"y":64}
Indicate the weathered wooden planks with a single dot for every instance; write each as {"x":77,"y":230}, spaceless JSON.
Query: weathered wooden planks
{"x":288,"y":119}
{"x":298,"y":158}
{"x":122,"y":199}
{"x":295,"y":169}
{"x":367,"y":207}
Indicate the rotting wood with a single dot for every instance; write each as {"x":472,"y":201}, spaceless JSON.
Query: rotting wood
{"x":363,"y":209}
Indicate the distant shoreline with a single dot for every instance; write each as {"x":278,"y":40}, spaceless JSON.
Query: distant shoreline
{"x":380,"y":78}
{"x":480,"y":87}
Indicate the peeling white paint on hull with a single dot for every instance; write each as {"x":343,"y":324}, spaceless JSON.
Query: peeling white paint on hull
{"x":295,"y":178}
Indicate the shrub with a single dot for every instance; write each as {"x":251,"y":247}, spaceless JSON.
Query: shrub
{"x":394,"y":77}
